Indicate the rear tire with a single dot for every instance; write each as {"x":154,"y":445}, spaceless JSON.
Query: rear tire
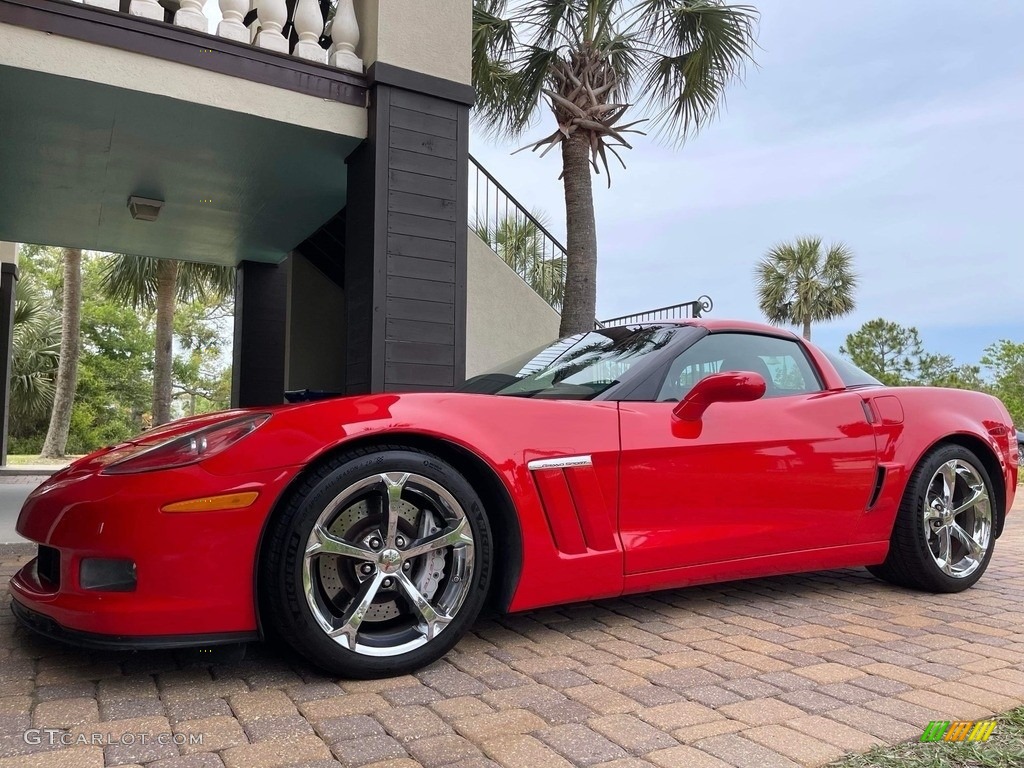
{"x":943,"y":537}
{"x":378,"y":563}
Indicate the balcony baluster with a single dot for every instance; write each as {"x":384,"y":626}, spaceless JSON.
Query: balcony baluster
{"x":147,"y":9}
{"x":231,"y":27}
{"x":345,"y":36}
{"x":110,"y":5}
{"x":262,"y":24}
{"x":190,"y":15}
{"x":272,"y":16}
{"x":309,"y":25}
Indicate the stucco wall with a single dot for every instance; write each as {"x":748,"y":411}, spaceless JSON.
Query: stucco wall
{"x":8,"y":252}
{"x":43,"y":52}
{"x":504,"y":317}
{"x":430,"y":36}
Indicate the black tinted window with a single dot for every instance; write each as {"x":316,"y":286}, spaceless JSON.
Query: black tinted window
{"x":577,"y":367}
{"x":782,"y":363}
{"x":851,"y":375}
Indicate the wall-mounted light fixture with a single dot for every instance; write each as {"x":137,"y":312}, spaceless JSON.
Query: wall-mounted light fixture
{"x":144,"y":209}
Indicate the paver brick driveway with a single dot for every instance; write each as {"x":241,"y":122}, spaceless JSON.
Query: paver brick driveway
{"x":774,"y":672}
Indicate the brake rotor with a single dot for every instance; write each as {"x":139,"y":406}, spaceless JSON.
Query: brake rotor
{"x":340,"y":577}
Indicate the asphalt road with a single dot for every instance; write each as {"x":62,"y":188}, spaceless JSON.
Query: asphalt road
{"x":13,"y":491}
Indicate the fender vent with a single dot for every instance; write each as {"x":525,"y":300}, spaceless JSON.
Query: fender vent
{"x":577,"y":514}
{"x":879,"y":482}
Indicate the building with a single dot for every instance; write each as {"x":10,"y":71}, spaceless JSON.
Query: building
{"x":331,"y":170}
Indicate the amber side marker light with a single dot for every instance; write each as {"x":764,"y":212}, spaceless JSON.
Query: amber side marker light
{"x":214,"y":503}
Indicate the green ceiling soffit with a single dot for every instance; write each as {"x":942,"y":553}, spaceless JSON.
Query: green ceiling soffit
{"x":234,"y":186}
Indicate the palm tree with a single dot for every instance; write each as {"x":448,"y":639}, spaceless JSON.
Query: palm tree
{"x":67,"y":368}
{"x":589,"y":61}
{"x":520,"y":244}
{"x":35,"y":352}
{"x":798,"y":285}
{"x":149,"y":283}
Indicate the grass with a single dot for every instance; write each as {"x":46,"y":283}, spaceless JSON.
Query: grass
{"x":1004,"y":749}
{"x":20,"y":460}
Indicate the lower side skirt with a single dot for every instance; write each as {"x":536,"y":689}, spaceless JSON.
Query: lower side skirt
{"x":780,"y":564}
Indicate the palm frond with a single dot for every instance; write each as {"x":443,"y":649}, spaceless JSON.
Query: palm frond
{"x":496,"y":67}
{"x":697,"y":49}
{"x":132,"y":280}
{"x":526,"y":89}
{"x":625,"y":55}
{"x":200,"y":282}
{"x":521,"y":245}
{"x":493,"y":47}
{"x":796,"y":283}
{"x":554,"y":22}
{"x":35,"y":352}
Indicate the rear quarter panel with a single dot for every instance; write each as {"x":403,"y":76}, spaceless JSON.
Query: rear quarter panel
{"x":928,"y":416}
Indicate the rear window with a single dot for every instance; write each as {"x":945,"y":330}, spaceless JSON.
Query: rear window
{"x":851,"y":375}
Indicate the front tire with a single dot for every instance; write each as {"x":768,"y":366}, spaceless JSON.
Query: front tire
{"x":378,"y":563}
{"x":943,"y":537}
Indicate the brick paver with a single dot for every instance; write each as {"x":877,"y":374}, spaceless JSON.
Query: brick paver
{"x":790,"y":671}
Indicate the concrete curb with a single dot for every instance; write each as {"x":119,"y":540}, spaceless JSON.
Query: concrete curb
{"x":40,"y":470}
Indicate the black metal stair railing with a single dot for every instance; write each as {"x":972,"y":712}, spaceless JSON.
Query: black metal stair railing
{"x":517,"y":235}
{"x":525,"y":244}
{"x":686,"y":309}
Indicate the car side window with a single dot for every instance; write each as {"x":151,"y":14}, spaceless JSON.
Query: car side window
{"x":782,"y":363}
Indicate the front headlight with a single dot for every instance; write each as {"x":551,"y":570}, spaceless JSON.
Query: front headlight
{"x":183,"y":449}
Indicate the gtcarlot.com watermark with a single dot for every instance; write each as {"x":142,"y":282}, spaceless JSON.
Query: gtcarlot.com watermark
{"x":54,"y":737}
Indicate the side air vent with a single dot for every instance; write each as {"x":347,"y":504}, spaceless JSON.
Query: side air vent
{"x":578,"y":516}
{"x":879,"y":482}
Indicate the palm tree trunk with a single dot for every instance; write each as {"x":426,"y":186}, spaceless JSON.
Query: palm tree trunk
{"x":56,"y":441}
{"x":807,"y":327}
{"x":166,"y":298}
{"x":580,"y":303}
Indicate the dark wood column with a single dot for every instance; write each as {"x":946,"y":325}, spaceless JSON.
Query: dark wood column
{"x":261,"y":311}
{"x":406,"y":229}
{"x":8,"y":279}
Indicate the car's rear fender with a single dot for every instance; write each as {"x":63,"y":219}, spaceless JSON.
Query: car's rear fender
{"x":976,"y":421}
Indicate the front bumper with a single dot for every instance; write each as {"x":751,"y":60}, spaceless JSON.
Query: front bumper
{"x":47,"y":627}
{"x":195,"y":570}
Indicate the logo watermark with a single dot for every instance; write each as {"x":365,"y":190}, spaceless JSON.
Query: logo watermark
{"x":54,"y":737}
{"x":958,"y":730}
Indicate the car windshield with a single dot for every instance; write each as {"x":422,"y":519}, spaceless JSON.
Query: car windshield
{"x":577,"y":367}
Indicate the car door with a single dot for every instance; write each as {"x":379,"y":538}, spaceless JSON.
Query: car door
{"x":791,"y":471}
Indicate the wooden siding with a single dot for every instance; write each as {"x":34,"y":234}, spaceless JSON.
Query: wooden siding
{"x":258,"y":355}
{"x":405,"y":259}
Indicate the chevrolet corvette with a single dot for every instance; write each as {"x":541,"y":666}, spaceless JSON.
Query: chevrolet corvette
{"x":367,"y":532}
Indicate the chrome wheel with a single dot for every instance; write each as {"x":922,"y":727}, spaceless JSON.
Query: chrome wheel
{"x":388,"y":564}
{"x":957,"y":518}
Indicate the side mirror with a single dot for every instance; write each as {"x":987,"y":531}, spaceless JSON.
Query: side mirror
{"x":731,"y":387}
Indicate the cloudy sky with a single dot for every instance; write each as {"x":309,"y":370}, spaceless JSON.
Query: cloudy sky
{"x":896,"y":127}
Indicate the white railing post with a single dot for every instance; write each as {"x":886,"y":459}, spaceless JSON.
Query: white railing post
{"x":309,"y":25}
{"x":190,"y":15}
{"x":231,"y":26}
{"x":345,"y":36}
{"x":110,"y":5}
{"x":272,"y":15}
{"x":147,"y":9}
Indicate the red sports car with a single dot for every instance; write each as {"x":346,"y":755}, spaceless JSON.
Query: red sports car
{"x":368,"y":531}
